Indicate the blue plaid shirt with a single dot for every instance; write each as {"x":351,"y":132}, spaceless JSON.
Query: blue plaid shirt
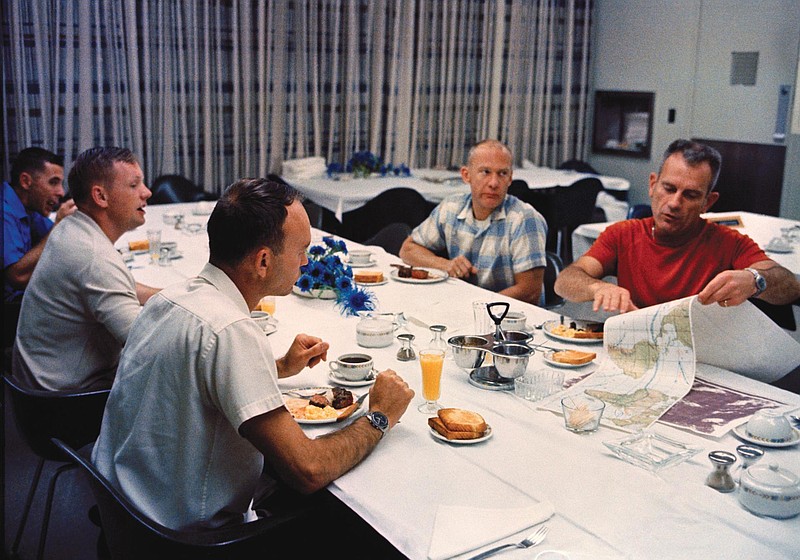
{"x":511,"y":240}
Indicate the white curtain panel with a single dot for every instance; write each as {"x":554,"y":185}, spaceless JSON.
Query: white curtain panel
{"x":221,"y":89}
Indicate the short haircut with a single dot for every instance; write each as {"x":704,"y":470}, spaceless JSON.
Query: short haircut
{"x":489,"y":142}
{"x":95,"y":166}
{"x":250,"y":214}
{"x":695,"y":153}
{"x":32,"y":160}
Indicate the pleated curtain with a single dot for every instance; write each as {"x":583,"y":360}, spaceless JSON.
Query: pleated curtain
{"x":221,"y":89}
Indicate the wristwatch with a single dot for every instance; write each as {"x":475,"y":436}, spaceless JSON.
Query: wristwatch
{"x":761,"y":282}
{"x":378,"y":420}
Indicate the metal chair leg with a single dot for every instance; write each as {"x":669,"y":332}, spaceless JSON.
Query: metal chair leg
{"x":49,"y":505}
{"x":31,"y":493}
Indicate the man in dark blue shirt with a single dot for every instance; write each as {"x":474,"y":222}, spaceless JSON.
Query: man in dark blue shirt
{"x":37,"y":185}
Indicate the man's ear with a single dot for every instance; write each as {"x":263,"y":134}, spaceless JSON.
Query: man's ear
{"x":465,"y":174}
{"x":99,"y":195}
{"x":25,"y":180}
{"x":711,"y":199}
{"x":263,"y":261}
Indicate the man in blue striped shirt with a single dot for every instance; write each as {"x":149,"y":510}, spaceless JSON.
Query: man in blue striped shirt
{"x":487,"y":237}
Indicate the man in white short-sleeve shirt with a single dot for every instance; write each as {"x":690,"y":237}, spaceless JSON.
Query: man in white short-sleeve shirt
{"x":82,"y":299}
{"x":196,"y":408}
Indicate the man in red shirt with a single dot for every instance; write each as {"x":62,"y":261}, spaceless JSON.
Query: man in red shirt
{"x":676,"y":253}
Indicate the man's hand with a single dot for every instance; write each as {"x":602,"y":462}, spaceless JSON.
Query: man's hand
{"x":610,"y":297}
{"x":390,"y":395}
{"x":306,"y":350}
{"x":728,"y":288}
{"x":67,"y":208}
{"x":460,"y":267}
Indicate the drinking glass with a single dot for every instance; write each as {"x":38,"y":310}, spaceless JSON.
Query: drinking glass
{"x":267,"y":304}
{"x":431,"y":362}
{"x":482,"y":323}
{"x":154,"y":244}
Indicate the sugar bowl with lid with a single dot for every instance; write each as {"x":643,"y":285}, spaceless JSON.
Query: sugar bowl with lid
{"x":375,"y":331}
{"x":769,"y":490}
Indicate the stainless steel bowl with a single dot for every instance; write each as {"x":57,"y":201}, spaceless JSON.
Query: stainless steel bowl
{"x":468,"y":351}
{"x":517,"y":336}
{"x":511,"y":358}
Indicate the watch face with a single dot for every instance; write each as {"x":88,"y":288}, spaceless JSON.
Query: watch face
{"x":379,"y":420}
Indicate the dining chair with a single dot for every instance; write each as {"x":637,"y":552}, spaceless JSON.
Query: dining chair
{"x":72,"y":416}
{"x":570,"y":207}
{"x":639,"y":211}
{"x":554,"y":266}
{"x":169,"y":189}
{"x":130,"y":534}
{"x":395,"y":205}
{"x":390,"y":237}
{"x":577,"y":165}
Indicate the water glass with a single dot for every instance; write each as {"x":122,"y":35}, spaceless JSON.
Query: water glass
{"x":539,"y":384}
{"x":482,"y":323}
{"x":154,"y":244}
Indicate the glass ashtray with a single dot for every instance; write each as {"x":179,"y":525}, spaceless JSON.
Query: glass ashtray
{"x":652,"y":451}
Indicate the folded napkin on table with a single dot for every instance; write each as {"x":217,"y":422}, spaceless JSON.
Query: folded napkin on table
{"x":458,"y":529}
{"x":303,"y":168}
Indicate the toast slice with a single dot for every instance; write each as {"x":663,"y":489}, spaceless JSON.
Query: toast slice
{"x":588,"y":334}
{"x":368,"y":276}
{"x":460,"y":420}
{"x":436,"y":423}
{"x":575,"y":357}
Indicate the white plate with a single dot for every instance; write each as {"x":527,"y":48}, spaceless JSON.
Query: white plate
{"x":436,"y":275}
{"x":271,"y":328}
{"x":548,"y":326}
{"x":741,"y":433}
{"x":313,"y":391}
{"x":548,"y":357}
{"x":314,"y":294}
{"x":347,"y":383}
{"x":368,"y":284}
{"x":485,"y":436}
{"x":777,"y":249}
{"x":372,"y":262}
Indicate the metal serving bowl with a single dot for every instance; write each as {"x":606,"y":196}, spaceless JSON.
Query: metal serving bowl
{"x":517,"y":336}
{"x":511,"y":358}
{"x":468,"y":351}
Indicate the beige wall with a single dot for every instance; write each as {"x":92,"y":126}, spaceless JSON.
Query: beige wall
{"x":680,"y":49}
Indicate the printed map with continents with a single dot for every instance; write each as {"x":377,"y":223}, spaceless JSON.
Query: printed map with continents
{"x":650,"y":365}
{"x":653,"y":355}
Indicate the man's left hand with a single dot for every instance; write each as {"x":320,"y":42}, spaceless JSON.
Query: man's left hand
{"x":306,"y":350}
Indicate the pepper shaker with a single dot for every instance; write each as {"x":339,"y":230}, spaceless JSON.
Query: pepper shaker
{"x":720,"y":478}
{"x":749,"y":454}
{"x":406,"y":352}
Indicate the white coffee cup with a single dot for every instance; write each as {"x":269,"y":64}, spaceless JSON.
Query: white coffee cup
{"x":263,"y":319}
{"x":360,"y":257}
{"x":514,"y":321}
{"x":352,"y":367}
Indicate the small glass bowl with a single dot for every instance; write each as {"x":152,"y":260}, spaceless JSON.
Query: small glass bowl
{"x":538,"y":384}
{"x":582,"y":413}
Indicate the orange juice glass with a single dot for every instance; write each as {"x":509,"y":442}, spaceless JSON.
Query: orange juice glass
{"x":267,"y":304}
{"x":431,"y":362}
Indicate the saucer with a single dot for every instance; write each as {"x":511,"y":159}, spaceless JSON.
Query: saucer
{"x":372,"y":262}
{"x":741,"y":432}
{"x":347,"y":383}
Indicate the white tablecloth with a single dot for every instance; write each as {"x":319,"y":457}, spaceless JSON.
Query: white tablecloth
{"x":345,"y":193}
{"x":604,"y":507}
{"x":759,"y":227}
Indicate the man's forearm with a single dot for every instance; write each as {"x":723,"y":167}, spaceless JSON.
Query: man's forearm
{"x":417,"y":255}
{"x":19,"y":274}
{"x":574,"y":284}
{"x":782,"y":286}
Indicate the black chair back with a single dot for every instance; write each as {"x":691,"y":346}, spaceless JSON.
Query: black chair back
{"x":571,"y":206}
{"x":396,"y":205}
{"x":391,"y":237}
{"x":577,"y":165}
{"x":554,"y":267}
{"x":639,"y":211}
{"x":132,"y":535}
{"x":169,"y":189}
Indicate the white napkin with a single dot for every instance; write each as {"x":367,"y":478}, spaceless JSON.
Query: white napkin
{"x":458,"y":529}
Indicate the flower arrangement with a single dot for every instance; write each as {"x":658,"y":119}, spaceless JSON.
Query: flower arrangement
{"x":326,"y":273}
{"x":364,"y":163}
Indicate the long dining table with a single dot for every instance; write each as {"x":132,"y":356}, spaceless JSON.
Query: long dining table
{"x":604,"y":507}
{"x":341,"y":193}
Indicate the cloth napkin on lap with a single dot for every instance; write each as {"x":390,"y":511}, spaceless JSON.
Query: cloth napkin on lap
{"x":458,"y":529}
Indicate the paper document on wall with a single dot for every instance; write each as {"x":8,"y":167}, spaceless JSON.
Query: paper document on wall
{"x":652,"y":355}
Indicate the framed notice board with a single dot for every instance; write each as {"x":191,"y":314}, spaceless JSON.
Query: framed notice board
{"x":623,"y":123}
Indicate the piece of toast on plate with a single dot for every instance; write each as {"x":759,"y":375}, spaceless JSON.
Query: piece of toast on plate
{"x":436,"y":423}
{"x":460,"y":420}
{"x":575,"y":357}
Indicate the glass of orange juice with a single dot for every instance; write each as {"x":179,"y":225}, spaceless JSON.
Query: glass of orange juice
{"x":267,"y":304}
{"x":431,"y":361}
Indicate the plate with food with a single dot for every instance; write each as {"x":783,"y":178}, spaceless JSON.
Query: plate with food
{"x":417,"y":274}
{"x":587,"y":333}
{"x":322,"y":405}
{"x":569,"y":358}
{"x":369,"y":278}
{"x":459,"y":426}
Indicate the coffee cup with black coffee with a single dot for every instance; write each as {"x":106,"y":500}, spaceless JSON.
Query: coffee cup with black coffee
{"x":352,"y":367}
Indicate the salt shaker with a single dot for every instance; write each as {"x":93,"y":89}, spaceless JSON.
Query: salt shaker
{"x":437,"y":341}
{"x":406,"y":352}
{"x":749,"y":454}
{"x":720,"y":478}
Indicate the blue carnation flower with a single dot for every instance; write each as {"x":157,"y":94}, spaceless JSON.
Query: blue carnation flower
{"x":344,"y":283}
{"x":329,"y":241}
{"x":315,"y":269}
{"x":305,"y":283}
{"x":352,"y":301}
{"x":316,"y":250}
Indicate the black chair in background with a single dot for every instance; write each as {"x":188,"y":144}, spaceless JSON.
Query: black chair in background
{"x":391,"y":237}
{"x":570,"y":207}
{"x":168,"y":189}
{"x":554,"y":266}
{"x":72,"y":416}
{"x":578,"y":165}
{"x":396,"y":205}
{"x":639,"y":211}
{"x":322,"y":218}
{"x":130,"y":534}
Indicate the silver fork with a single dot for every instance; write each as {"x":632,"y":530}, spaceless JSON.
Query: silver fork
{"x":531,"y":540}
